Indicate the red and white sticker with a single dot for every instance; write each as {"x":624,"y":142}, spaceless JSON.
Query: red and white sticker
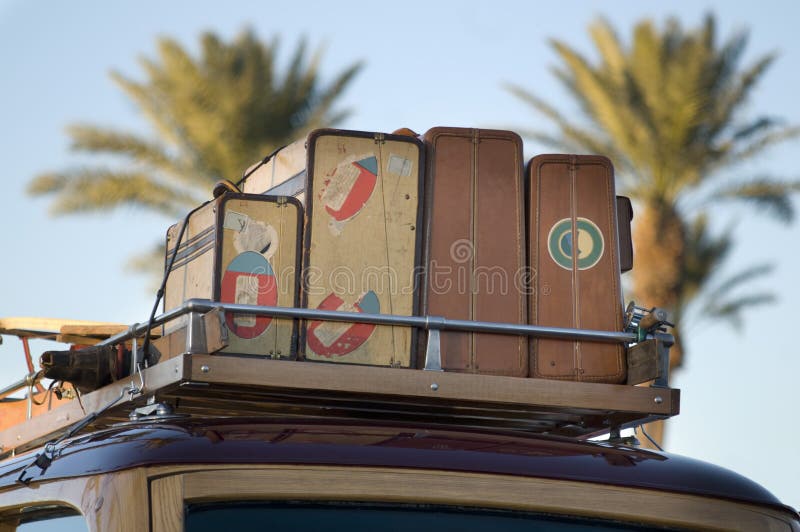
{"x":248,"y":280}
{"x":335,"y":339}
{"x":347,"y":189}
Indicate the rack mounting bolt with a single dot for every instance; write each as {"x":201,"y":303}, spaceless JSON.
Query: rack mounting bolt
{"x":205,"y":369}
{"x":434,"y":387}
{"x":658,"y":400}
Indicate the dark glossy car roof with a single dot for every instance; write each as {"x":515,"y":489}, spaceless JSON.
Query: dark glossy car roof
{"x":258,"y":441}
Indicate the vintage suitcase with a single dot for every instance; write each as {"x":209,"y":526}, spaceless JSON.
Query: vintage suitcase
{"x":474,"y":206}
{"x":575,"y":254}
{"x":282,"y":173}
{"x":241,"y":248}
{"x":362,"y":244}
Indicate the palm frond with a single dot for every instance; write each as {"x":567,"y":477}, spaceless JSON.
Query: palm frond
{"x":99,"y":189}
{"x":211,"y":117}
{"x":769,"y":194}
{"x":149,"y":105}
{"x":669,"y":107}
{"x":703,"y":255}
{"x":149,"y":263}
{"x":738,"y":154}
{"x":328,"y":95}
{"x":135,"y":149}
{"x":611,"y":51}
{"x":733,"y":93}
{"x":573,"y":138}
{"x":731,"y":310}
{"x":599,"y":100}
{"x":725,"y":287}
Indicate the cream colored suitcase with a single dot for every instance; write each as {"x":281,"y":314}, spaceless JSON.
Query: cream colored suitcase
{"x":241,"y":248}
{"x":362,"y":240}
{"x":282,"y":174}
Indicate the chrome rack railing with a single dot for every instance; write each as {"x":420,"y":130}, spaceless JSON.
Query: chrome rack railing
{"x":195,"y":308}
{"x":25,"y":382}
{"x":196,"y":339}
{"x":204,"y":314}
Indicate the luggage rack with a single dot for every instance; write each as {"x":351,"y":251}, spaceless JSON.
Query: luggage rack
{"x":197,"y":382}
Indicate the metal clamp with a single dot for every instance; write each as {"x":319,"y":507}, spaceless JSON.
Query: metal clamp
{"x":663,"y":343}
{"x":206,"y":332}
{"x":433,"y":351}
{"x":644,"y":321}
{"x":195,"y":334}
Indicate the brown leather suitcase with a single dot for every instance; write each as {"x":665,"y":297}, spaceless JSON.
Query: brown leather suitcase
{"x":572,"y":201}
{"x":475,"y":248}
{"x":241,"y":248}
{"x":362,"y":244}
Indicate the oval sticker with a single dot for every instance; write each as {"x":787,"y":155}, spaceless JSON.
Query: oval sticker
{"x":335,"y":339}
{"x":248,"y":280}
{"x":588,"y":250}
{"x":346,"y":192}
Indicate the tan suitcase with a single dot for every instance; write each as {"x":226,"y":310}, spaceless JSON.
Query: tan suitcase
{"x":572,"y":200}
{"x":241,"y":248}
{"x":475,"y":245}
{"x":362,"y":243}
{"x":282,"y":174}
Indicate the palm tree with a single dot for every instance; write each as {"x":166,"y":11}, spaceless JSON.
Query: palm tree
{"x":668,"y":110}
{"x":212,"y":117}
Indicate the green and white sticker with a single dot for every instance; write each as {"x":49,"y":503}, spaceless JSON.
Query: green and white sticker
{"x":589,"y":248}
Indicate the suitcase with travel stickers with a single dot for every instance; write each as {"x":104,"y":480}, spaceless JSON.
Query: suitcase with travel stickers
{"x":241,"y":248}
{"x":574,"y":252}
{"x":362,"y":243}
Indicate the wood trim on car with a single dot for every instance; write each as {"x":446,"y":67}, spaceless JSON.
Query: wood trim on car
{"x":273,"y":483}
{"x":111,"y":501}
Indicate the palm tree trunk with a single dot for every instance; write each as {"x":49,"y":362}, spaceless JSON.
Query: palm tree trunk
{"x":659,"y":238}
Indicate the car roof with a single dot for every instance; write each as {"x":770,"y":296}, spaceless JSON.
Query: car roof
{"x":180,"y":441}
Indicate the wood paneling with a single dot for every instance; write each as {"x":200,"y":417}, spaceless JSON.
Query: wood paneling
{"x":600,"y":403}
{"x":166,"y":502}
{"x":648,"y":507}
{"x":449,"y":386}
{"x":112,"y":501}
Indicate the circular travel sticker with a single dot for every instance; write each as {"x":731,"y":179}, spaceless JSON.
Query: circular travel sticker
{"x":335,"y":339}
{"x":248,"y":280}
{"x":587,"y":250}
{"x":347,"y":189}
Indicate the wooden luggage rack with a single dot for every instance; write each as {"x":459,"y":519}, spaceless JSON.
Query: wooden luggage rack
{"x":197,"y":382}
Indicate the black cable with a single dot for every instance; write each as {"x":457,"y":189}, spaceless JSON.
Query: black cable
{"x":261,"y":163}
{"x":167,"y":270}
{"x":641,"y":427}
{"x":47,"y":392}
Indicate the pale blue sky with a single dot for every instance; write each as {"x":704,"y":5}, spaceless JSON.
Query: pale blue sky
{"x":427,"y":64}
